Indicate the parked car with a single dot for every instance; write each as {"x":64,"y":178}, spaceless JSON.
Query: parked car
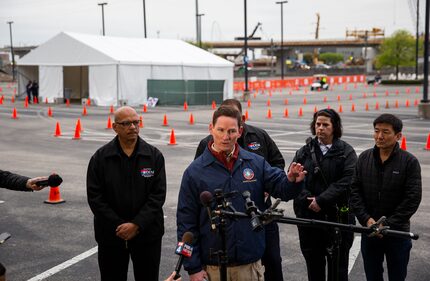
{"x":320,"y":82}
{"x":322,"y":66}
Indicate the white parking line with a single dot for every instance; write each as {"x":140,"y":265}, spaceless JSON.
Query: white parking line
{"x":354,"y":252}
{"x":64,"y":265}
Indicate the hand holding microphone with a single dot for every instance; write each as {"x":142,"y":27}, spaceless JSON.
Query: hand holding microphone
{"x":39,"y":183}
{"x":183,"y":249}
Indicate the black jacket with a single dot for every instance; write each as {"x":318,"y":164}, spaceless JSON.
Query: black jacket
{"x":255,"y":140}
{"x":13,"y":181}
{"x":115,"y":202}
{"x":337,"y":165}
{"x":391,"y":189}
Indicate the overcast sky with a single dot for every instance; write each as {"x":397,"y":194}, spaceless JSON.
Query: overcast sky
{"x":36,"y":21}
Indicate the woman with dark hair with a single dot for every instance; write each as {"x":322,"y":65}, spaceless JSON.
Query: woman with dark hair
{"x":330,"y":163}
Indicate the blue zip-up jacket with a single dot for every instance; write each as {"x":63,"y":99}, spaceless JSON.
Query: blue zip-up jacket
{"x":250,"y":173}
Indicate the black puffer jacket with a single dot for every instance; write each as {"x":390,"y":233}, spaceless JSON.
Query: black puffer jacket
{"x":392,"y":189}
{"x":13,"y":181}
{"x":338,"y":167}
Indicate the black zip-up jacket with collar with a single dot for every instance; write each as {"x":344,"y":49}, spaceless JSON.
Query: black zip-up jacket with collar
{"x":391,"y":189}
{"x":124,"y":190}
{"x":338,"y":167}
{"x":254,"y":140}
{"x":12,"y":181}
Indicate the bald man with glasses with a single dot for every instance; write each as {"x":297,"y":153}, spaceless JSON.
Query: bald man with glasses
{"x":126,"y":189}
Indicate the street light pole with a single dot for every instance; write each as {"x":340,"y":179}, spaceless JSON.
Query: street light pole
{"x":245,"y":58}
{"x":144,"y":17}
{"x":200,"y":29}
{"x":282,"y":36}
{"x":103,"y":15}
{"x":426,"y":55}
{"x":197,"y":22}
{"x":417,"y":40}
{"x":11,"y":50}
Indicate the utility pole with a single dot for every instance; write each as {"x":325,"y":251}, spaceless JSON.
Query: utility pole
{"x":197,"y":22}
{"x":282,"y":37}
{"x":11,"y":50}
{"x":424,"y":106}
{"x":144,"y":18}
{"x":245,"y":58}
{"x":417,"y":40}
{"x":103,"y":15}
{"x":200,"y":29}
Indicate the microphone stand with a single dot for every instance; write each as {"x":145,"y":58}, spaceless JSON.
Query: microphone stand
{"x":225,"y":210}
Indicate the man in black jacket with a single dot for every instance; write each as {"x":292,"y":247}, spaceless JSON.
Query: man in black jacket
{"x":126,"y":188}
{"x":387,"y":182}
{"x":330,"y":163}
{"x":257,"y":141}
{"x":17,"y":182}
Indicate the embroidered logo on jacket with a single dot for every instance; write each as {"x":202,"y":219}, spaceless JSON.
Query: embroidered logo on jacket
{"x":248,"y":174}
{"x":147,"y":172}
{"x":254,"y":145}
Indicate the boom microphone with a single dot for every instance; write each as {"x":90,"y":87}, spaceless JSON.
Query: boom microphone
{"x":53,"y":180}
{"x":184,"y":249}
{"x":206,"y":198}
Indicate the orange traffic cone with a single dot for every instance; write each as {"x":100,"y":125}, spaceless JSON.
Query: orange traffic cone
{"x":67,"y":102}
{"x":305,"y":101}
{"x":26,"y":102}
{"x":300,"y":112}
{"x":84,"y":111}
{"x":109,"y":123}
{"x":397,"y":104}
{"x":286,"y":113}
{"x":403,"y":144}
{"x":387,"y":104}
{"x":14,"y":113}
{"x":353,"y":107}
{"x":367,"y":106}
{"x":78,"y":123}
{"x":77,"y":135}
{"x":54,"y":196}
{"x":286,"y":101}
{"x":428,"y":143}
{"x":255,"y":95}
{"x":397,"y":92}
{"x":374,"y":94}
{"x":46,"y":100}
{"x":12,"y":100}
{"x":350,"y":96}
{"x":246,"y":115}
{"x":268,"y":102}
{"x":57,"y":130}
{"x":50,"y":112}
{"x":338,"y":97}
{"x":213,"y":105}
{"x":269,"y":114}
{"x":172,"y":138}
{"x":364,"y":95}
{"x":185,"y":106}
{"x":325,"y":99}
{"x":1,"y":99}
{"x":386,"y":93}
{"x":112,"y":110}
{"x":315,"y":109}
{"x":191,"y":119}
{"x":145,"y":108}
{"x":249,"y":103}
{"x":407,"y":103}
{"x":141,"y":121}
{"x":377,"y":106}
{"x":340,"y":109}
{"x":88,"y":102}
{"x":165,"y":120}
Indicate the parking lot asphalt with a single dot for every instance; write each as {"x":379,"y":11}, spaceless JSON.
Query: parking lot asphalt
{"x":56,"y":242}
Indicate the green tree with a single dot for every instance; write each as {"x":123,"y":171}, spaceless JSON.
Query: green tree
{"x":331,"y":58}
{"x":307,"y":58}
{"x":397,"y":50}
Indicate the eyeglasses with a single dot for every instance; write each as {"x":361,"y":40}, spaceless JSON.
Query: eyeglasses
{"x":128,"y":123}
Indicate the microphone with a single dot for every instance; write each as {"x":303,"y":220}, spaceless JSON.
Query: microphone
{"x":250,"y":210}
{"x":183,"y":249}
{"x":53,"y":180}
{"x":206,"y":199}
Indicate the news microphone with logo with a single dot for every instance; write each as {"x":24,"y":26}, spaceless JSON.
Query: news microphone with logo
{"x":206,"y":199}
{"x":53,"y":180}
{"x":251,"y":210}
{"x":184,"y":250}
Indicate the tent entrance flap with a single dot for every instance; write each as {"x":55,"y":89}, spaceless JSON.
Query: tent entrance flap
{"x":194,"y":92}
{"x":75,"y":83}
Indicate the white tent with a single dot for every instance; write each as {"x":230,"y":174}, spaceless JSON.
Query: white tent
{"x":113,"y":70}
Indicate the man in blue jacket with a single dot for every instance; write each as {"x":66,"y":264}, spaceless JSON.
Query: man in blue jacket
{"x":224,"y":165}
